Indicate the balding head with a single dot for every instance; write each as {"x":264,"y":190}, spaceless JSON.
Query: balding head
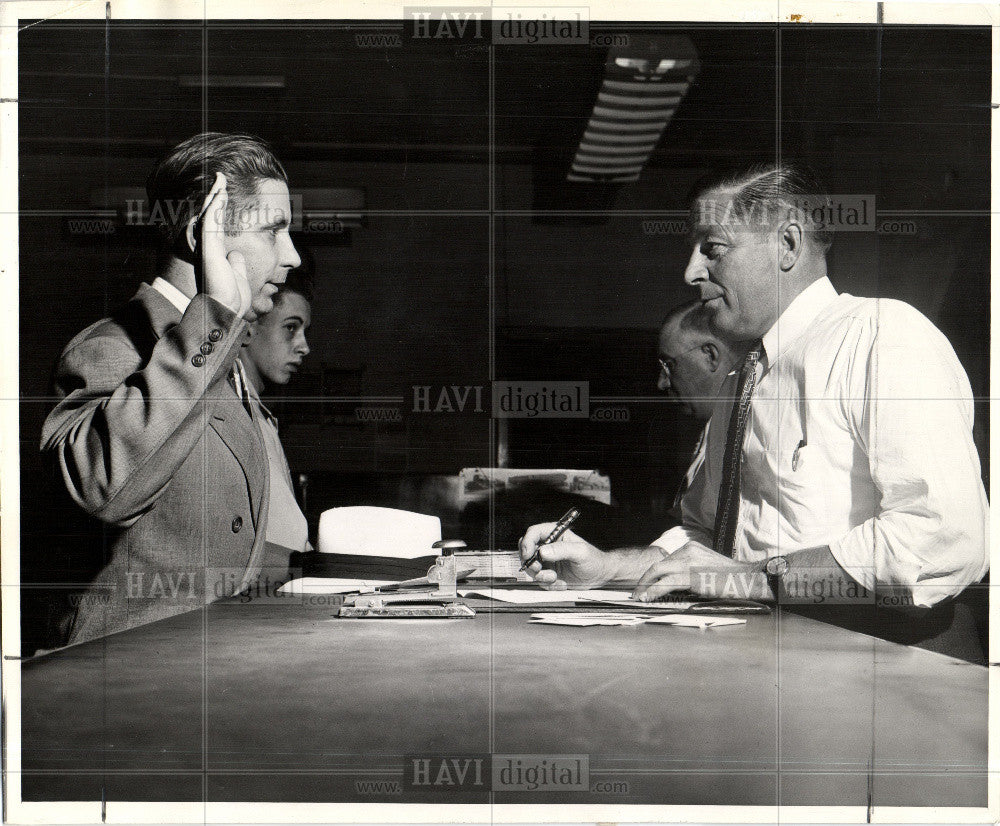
{"x":694,"y":360}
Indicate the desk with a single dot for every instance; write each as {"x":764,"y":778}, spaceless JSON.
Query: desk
{"x":270,"y":701}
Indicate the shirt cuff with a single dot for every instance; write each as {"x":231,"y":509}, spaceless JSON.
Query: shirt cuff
{"x":672,"y":540}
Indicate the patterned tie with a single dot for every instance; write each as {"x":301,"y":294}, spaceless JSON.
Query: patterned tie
{"x":727,"y":511}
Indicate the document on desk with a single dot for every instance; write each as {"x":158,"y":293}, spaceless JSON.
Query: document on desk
{"x":326,"y":585}
{"x":531,"y":596}
{"x":584,"y":619}
{"x":694,"y":621}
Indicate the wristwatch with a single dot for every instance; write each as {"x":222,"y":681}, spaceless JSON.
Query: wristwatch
{"x":775,"y":568}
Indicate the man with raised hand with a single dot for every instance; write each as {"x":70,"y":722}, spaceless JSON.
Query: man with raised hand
{"x":153,"y":432}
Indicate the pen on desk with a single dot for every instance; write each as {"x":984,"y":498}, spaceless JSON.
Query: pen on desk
{"x":561,"y":527}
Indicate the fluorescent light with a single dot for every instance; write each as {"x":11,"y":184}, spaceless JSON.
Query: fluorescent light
{"x":586,"y":157}
{"x":627,"y":114}
{"x":629,"y":139}
{"x":644,"y":84}
{"x":611,"y":179}
{"x":637,"y":101}
{"x":613,"y":126}
{"x":601,"y":170}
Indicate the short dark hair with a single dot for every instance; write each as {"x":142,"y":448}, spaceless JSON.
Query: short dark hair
{"x":182,"y":178}
{"x":768,"y":188}
{"x":296,"y":282}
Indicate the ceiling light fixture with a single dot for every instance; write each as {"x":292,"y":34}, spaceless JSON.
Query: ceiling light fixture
{"x":644,"y":83}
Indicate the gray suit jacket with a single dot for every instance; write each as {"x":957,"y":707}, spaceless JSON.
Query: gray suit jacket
{"x":153,"y":441}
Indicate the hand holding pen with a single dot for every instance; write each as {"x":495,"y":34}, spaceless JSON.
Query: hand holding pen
{"x":570,"y":562}
{"x":561,"y":527}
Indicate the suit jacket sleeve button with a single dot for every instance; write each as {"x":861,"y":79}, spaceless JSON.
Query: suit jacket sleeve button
{"x":215,"y":335}
{"x":207,"y":348}
{"x":237,"y":524}
{"x":197,"y":359}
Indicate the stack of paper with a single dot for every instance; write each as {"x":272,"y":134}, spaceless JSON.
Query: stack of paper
{"x":525,"y":596}
{"x":363,"y":530}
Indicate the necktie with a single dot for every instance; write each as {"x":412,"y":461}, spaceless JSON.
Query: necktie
{"x":727,"y":512}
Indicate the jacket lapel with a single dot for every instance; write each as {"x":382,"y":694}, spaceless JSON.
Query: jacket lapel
{"x":242,"y":436}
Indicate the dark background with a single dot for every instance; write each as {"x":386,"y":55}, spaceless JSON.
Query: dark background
{"x":454,"y":278}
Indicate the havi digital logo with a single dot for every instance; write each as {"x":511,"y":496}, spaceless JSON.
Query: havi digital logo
{"x":446,"y":23}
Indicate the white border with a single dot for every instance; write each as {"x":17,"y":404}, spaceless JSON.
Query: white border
{"x":726,"y":11}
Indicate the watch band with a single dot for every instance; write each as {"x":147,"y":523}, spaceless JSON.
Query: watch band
{"x":774,"y":569}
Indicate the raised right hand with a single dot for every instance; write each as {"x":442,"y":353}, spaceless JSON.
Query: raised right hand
{"x":223,"y":277}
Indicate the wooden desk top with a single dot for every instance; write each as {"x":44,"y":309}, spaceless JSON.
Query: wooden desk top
{"x":277,"y":701}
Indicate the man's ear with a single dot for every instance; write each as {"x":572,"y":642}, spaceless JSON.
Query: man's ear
{"x":712,"y":355}
{"x":791,"y":241}
{"x":191,"y":233}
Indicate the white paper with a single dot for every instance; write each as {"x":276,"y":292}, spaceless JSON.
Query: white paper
{"x":524,"y":596}
{"x":582,"y":620}
{"x":326,"y":585}
{"x":694,"y":621}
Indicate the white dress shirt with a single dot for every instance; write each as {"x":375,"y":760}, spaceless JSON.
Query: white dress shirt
{"x":859,"y":439}
{"x":171,"y":293}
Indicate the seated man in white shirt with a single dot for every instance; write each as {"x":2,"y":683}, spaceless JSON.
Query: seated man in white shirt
{"x":275,"y":351}
{"x":850,"y":458}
